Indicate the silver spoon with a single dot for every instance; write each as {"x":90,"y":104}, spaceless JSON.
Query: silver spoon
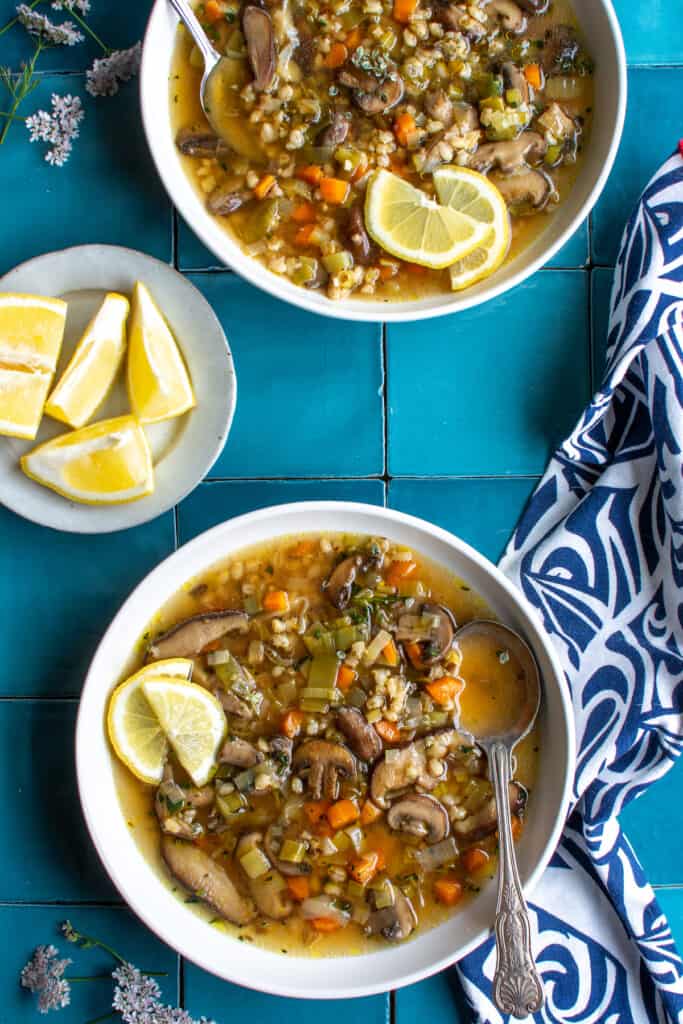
{"x":517,"y":987}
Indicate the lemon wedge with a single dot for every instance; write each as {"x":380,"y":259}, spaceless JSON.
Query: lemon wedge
{"x":193,"y":722}
{"x":159,"y":385}
{"x":31,"y":332}
{"x":410,"y":225}
{"x":107,"y":463}
{"x":473,"y":194}
{"x":133,"y":728}
{"x":85,"y":383}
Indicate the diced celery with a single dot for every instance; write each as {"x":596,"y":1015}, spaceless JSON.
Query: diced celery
{"x":355,"y":834}
{"x":333,"y":264}
{"x":292,"y":851}
{"x":229,"y":671}
{"x":388,"y":40}
{"x":493,"y":103}
{"x":350,"y":19}
{"x":252,"y":605}
{"x":355,"y":890}
{"x":553,"y":154}
{"x":319,"y":640}
{"x":320,"y":693}
{"x":306,"y":272}
{"x":245,"y":780}
{"x":385,"y":896}
{"x":231,"y":804}
{"x":261,"y":222}
{"x":255,"y":863}
{"x":350,"y":159}
{"x":374,"y":715}
{"x":324,"y":670}
{"x":315,"y":707}
{"x":341,"y":840}
{"x":513,"y":97}
{"x":286,"y":692}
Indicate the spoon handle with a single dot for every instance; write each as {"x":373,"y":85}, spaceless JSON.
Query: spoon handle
{"x":189,"y":18}
{"x":517,"y":987}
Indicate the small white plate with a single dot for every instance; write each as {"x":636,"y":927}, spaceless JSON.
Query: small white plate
{"x":185,"y":448}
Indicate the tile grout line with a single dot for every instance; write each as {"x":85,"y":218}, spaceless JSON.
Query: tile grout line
{"x":385,"y":409}
{"x":388,"y":477}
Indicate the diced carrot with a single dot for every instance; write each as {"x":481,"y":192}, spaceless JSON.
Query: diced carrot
{"x":404,"y":10}
{"x":311,"y":173}
{"x":213,"y":11}
{"x":444,"y":690}
{"x":276,"y":601}
{"x":390,"y":654}
{"x":389,"y":731}
{"x":305,"y":235}
{"x":337,"y":56}
{"x":369,"y":812}
{"x":364,"y":868}
{"x":291,"y":723}
{"x":325,"y":924}
{"x":345,"y":677}
{"x":353,"y":38}
{"x":341,"y":814}
{"x":304,"y":213}
{"x":532,"y":73}
{"x":387,"y":271}
{"x":414,"y":652}
{"x":334,"y":190}
{"x":264,"y":186}
{"x":448,"y":891}
{"x":474,"y":859}
{"x":399,"y":571}
{"x":403,"y":126}
{"x":213,"y":646}
{"x":517,"y":826}
{"x":315,"y":810}
{"x":304,"y":547}
{"x":299,"y":887}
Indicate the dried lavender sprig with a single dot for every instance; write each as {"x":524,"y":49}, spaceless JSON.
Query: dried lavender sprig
{"x":49,"y":34}
{"x":106,"y":73}
{"x":72,"y":6}
{"x":43,"y":975}
{"x":59,"y":128}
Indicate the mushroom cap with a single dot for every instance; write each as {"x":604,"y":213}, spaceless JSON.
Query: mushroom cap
{"x":198,"y":143}
{"x":419,"y":815}
{"x":395,"y":922}
{"x":190,"y":637}
{"x":532,"y":186}
{"x":442,"y":639}
{"x":363,"y":739}
{"x":485,"y":821}
{"x":387,"y":95}
{"x":239,"y":753}
{"x":511,"y":16}
{"x":326,"y":762}
{"x":339,"y":585}
{"x":198,"y":872}
{"x":258,"y":33}
{"x":509,"y":154}
{"x":335,"y":132}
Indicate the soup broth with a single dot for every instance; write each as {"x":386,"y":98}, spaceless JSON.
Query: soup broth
{"x":346,"y":807}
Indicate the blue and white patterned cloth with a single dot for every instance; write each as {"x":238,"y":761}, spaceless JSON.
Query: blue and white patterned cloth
{"x":599,"y":552}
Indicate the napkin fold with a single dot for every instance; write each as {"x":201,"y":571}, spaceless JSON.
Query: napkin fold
{"x":599,"y":553}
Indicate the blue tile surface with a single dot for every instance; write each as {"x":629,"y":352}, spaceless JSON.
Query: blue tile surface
{"x":474,"y":405}
{"x":309,"y":397}
{"x":471,"y":398}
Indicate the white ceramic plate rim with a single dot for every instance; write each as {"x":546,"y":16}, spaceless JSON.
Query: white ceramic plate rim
{"x":218,"y":241}
{"x":204,"y":435}
{"x":184,"y":931}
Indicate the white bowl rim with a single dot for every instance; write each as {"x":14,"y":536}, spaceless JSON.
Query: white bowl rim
{"x":253,"y":272}
{"x":88,"y":790}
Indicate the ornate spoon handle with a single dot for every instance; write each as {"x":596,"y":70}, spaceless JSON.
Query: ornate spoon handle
{"x":187,"y":15}
{"x":516,"y":985}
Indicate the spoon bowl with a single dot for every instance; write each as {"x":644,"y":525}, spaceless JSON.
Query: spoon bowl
{"x":517,"y":987}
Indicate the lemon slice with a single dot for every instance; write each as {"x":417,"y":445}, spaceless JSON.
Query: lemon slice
{"x":134,"y":730}
{"x":107,"y":463}
{"x":193,"y":721}
{"x":85,"y":383}
{"x":410,"y":225}
{"x":159,"y":385}
{"x":31,"y":332}
{"x":473,"y":194}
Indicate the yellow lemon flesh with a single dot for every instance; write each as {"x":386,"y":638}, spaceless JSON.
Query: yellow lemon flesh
{"x":107,"y":463}
{"x":31,"y":332}
{"x":133,"y":728}
{"x":159,"y":385}
{"x":86,"y":382}
{"x":193,"y":722}
{"x":408,"y":224}
{"x":473,"y":194}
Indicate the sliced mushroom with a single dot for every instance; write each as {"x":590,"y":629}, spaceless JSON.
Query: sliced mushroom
{"x":510,"y":15}
{"x":273,"y":844}
{"x":532,"y":188}
{"x":439,"y":106}
{"x":224,"y":201}
{"x":239,"y":753}
{"x":441,"y":639}
{"x":203,"y":877}
{"x":515,"y":80}
{"x":169,"y":803}
{"x":373,"y":95}
{"x":304,"y":54}
{"x":560,"y":50}
{"x":509,"y":155}
{"x":395,"y":922}
{"x":485,"y":821}
{"x":419,"y":815}
{"x":336,"y":131}
{"x":390,"y":778}
{"x":457,"y":19}
{"x":558,"y":122}
{"x":269,"y":891}
{"x":326,"y":763}
{"x":281,"y":755}
{"x":258,"y":33}
{"x":364,"y":252}
{"x":465,"y":118}
{"x":339,"y":586}
{"x":362,"y":737}
{"x":232,"y":704}
{"x":191,"y":636}
{"x":200,"y":796}
{"x":198,"y":143}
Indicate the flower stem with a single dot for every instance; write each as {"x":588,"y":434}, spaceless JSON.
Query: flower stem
{"x":12,"y":22}
{"x":12,"y":117}
{"x":93,"y":35}
{"x":20,"y":93}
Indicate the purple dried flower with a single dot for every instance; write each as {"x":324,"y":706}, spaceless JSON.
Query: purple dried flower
{"x":43,"y":976}
{"x":49,"y":34}
{"x":80,"y":6}
{"x":59,"y":128}
{"x":103,"y":78}
{"x":136,"y":998}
